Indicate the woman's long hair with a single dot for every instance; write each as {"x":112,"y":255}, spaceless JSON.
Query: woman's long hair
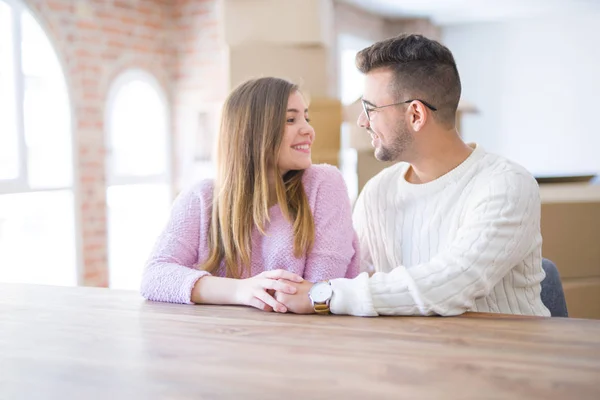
{"x":252,"y":127}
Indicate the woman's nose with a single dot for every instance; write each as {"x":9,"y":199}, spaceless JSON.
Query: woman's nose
{"x":308,"y":130}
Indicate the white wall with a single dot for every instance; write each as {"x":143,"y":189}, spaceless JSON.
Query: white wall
{"x":537,"y":86}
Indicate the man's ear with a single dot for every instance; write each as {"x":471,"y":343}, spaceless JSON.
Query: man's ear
{"x":417,"y":115}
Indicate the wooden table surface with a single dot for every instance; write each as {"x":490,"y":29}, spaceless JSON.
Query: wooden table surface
{"x":90,"y":343}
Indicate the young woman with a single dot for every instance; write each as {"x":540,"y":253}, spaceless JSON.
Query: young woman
{"x":269,"y":216}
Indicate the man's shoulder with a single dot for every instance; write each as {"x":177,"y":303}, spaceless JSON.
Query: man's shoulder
{"x":496,"y":169}
{"x":498,"y":175}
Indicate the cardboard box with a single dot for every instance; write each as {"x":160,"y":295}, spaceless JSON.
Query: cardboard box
{"x":332,"y":158}
{"x":571,"y":234}
{"x":583,"y":297}
{"x":367,"y":166}
{"x":276,"y":21}
{"x":326,"y":119}
{"x":302,"y":65}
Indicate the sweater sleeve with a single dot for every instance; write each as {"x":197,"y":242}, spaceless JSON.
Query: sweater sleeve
{"x":170,"y":275}
{"x":335,"y":250}
{"x":502,"y":225}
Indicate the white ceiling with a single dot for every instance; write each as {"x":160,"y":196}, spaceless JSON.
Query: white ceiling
{"x":446,"y":12}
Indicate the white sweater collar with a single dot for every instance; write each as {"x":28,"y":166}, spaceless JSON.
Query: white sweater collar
{"x":444,"y":180}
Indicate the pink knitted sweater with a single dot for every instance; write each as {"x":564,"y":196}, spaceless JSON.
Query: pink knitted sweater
{"x":170,"y":274}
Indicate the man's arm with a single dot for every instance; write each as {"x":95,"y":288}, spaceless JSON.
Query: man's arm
{"x":500,"y":229}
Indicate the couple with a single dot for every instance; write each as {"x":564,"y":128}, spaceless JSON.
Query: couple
{"x":447,"y":229}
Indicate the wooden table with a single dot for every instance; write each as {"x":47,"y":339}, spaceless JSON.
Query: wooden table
{"x":88,"y":343}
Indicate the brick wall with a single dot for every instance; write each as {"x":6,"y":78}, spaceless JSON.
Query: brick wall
{"x":96,"y":40}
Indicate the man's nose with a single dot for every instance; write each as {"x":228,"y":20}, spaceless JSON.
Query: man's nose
{"x":363,"y":121}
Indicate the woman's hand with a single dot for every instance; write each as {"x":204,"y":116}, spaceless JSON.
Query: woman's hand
{"x":258,"y":291}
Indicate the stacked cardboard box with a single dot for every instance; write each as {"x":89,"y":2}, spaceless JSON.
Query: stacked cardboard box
{"x":571,"y":233}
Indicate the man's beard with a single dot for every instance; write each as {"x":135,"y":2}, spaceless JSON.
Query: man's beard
{"x":395,"y":152}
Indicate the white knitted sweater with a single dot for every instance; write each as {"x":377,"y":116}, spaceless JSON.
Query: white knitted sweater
{"x":468,"y":241}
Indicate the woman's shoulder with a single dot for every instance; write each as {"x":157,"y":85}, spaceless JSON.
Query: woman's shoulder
{"x":200,"y":191}
{"x":318,"y":175}
{"x":192,"y":204}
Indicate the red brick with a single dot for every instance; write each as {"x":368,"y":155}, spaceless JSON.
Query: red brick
{"x":110,"y":54}
{"x":88,"y":83}
{"x":86,"y":25}
{"x":116,"y":29}
{"x":85,"y":124}
{"x":153,"y":24}
{"x":84,"y":53}
{"x":92,"y":97}
{"x":128,"y":21}
{"x":88,"y":179}
{"x":145,"y":9}
{"x":59,"y":6}
{"x":86,"y":67}
{"x":93,"y":246}
{"x":127,"y":4}
{"x":142,"y":48}
{"x":91,"y":164}
{"x":116,"y":43}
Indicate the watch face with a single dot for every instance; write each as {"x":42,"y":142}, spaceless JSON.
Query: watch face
{"x":321,"y":292}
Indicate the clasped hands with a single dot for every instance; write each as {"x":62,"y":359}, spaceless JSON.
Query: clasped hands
{"x":277,"y":290}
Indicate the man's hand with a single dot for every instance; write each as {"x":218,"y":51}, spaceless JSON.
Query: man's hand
{"x":298,"y":303}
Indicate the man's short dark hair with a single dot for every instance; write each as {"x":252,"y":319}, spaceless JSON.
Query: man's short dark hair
{"x":423,"y":69}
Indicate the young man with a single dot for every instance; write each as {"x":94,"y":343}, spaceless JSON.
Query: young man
{"x":447,"y":229}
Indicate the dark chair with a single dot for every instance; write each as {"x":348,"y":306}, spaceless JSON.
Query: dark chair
{"x":553,"y":295}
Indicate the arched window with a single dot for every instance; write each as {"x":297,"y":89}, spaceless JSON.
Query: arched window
{"x":138,"y":173}
{"x":37,"y":224}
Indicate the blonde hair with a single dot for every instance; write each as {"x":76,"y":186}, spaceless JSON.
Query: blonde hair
{"x":252,"y":126}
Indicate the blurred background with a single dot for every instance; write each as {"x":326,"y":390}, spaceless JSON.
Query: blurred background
{"x":108,"y":108}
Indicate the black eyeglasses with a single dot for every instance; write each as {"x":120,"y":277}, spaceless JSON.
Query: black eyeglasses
{"x":368,"y":107}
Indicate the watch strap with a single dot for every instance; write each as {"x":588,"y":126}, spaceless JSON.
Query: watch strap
{"x":321,"y":308}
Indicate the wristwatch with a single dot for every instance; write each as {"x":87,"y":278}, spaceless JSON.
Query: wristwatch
{"x":320,"y":295}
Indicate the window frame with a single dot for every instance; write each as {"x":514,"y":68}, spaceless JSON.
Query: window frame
{"x":20,"y":184}
{"x":112,"y":179}
{"x":121,"y":180}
